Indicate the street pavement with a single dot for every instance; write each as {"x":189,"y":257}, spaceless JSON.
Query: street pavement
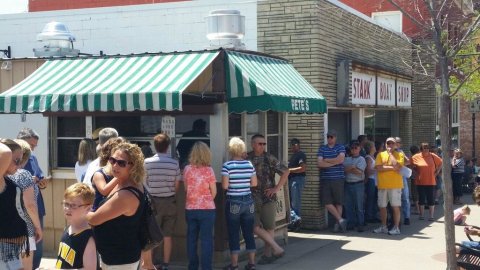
{"x":420,"y":246}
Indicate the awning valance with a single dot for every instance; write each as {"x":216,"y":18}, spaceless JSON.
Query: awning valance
{"x":124,"y":83}
{"x":259,"y":83}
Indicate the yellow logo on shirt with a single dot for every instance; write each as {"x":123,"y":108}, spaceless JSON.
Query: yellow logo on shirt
{"x":66,"y":253}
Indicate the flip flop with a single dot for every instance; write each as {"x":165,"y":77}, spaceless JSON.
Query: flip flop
{"x":279,"y":255}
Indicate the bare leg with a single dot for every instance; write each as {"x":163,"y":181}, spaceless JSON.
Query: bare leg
{"x":27,"y":261}
{"x":396,"y":215}
{"x":269,"y":241}
{"x":383,"y":215}
{"x":333,"y":209}
{"x":167,"y":248}
{"x":422,"y":210}
{"x":147,"y":260}
{"x":251,"y":257}
{"x":234,"y":259}
{"x":431,"y":209}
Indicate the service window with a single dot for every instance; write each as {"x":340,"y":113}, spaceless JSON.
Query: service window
{"x":69,"y":132}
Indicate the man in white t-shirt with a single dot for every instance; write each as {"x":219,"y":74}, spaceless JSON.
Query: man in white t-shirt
{"x":103,"y":136}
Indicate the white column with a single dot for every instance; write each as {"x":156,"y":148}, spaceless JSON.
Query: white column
{"x":219,"y":138}
{"x":358,"y":122}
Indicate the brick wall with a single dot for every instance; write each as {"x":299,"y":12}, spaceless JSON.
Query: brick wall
{"x":424,"y":99}
{"x":465,"y":130}
{"x":314,"y":35}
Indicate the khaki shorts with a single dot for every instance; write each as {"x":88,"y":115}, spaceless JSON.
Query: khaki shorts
{"x":394,"y":196}
{"x":265,"y":213}
{"x":166,"y":214}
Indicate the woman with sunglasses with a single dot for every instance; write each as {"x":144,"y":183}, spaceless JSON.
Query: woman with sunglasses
{"x":427,"y":166}
{"x":102,"y":180}
{"x":24,"y":180}
{"x":13,"y":239}
{"x":116,"y":223}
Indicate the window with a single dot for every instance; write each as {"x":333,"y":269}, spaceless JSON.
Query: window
{"x":389,"y":19}
{"x":70,"y":131}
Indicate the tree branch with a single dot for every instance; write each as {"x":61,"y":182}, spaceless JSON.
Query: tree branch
{"x":470,"y":74}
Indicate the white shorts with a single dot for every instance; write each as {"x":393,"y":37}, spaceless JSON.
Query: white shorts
{"x":131,"y":266}
{"x":394,"y":196}
{"x":32,"y":243}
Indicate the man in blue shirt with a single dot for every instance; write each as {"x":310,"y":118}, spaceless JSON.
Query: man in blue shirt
{"x":31,"y":137}
{"x":332,"y":178}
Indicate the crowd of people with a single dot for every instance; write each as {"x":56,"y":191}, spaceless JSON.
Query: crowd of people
{"x":104,"y":208}
{"x":362,"y":182}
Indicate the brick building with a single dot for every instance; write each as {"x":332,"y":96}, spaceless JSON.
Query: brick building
{"x":329,"y":43}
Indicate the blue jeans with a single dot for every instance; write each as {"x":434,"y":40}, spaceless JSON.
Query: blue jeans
{"x":405,"y":199}
{"x":371,"y":206}
{"x":200,"y":223}
{"x":354,"y":210}
{"x":296,"y":185}
{"x":240,"y":214}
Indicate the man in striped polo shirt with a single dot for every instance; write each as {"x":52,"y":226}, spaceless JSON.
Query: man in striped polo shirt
{"x":162,"y":179}
{"x":332,"y":177}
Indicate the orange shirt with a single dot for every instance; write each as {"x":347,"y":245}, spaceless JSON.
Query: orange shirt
{"x":425,"y":167}
{"x":198,"y":180}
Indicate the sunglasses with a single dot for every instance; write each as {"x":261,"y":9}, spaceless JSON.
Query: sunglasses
{"x":71,"y":206}
{"x":262,"y":143}
{"x":390,"y":142}
{"x":121,"y":163}
{"x":17,"y":161}
{"x":330,"y":137}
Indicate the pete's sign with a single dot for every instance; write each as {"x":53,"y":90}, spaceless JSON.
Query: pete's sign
{"x":300,"y":105}
{"x":404,"y":94}
{"x":363,"y":89}
{"x":386,"y":91}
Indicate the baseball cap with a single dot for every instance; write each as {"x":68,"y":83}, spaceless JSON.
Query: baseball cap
{"x":390,"y":139}
{"x":294,"y":141}
{"x":332,"y":132}
{"x":354,"y":143}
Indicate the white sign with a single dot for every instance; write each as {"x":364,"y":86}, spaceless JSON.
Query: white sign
{"x":281,"y":209}
{"x":385,"y":91}
{"x":474,"y":106}
{"x":168,"y":127}
{"x":404,"y":94}
{"x":363,"y":89}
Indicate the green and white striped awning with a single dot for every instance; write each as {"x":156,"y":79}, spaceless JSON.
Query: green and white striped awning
{"x":123,"y":83}
{"x":259,"y":83}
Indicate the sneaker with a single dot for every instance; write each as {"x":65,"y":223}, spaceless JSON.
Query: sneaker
{"x":394,"y":231}
{"x":343,"y":225}
{"x":336,"y":228}
{"x":406,"y":221}
{"x":381,"y":229}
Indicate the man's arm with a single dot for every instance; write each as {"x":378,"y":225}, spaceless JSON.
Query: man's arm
{"x":321,"y":163}
{"x":283,"y":179}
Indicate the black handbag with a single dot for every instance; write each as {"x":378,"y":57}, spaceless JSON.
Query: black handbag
{"x":151,"y":234}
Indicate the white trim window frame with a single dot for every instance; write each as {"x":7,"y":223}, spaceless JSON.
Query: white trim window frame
{"x":392,"y":20}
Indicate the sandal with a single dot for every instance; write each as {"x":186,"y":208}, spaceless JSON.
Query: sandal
{"x":279,"y":255}
{"x":250,"y":266}
{"x":431,"y":219}
{"x":266,"y":260}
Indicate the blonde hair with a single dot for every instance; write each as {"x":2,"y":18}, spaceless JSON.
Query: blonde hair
{"x":200,"y":155}
{"x":236,"y":147}
{"x":466,"y":209}
{"x":84,"y":191}
{"x":86,"y":151}
{"x":135,"y":157}
{"x":106,"y":151}
{"x":27,"y":151}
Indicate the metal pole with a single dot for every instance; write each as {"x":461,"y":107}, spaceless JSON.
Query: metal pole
{"x":473,"y":135}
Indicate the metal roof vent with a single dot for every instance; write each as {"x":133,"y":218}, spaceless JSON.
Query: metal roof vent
{"x":226,"y":28}
{"x":57,"y":41}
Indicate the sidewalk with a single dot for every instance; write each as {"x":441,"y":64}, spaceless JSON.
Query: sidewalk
{"x":420,"y":246}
